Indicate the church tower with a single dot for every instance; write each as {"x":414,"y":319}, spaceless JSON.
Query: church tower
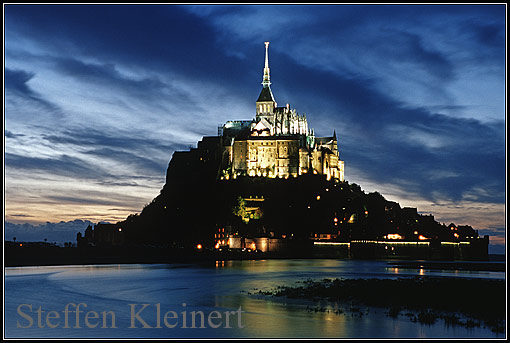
{"x":266,"y":103}
{"x":278,"y":142}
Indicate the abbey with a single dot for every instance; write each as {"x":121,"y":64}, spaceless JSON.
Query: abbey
{"x":278,"y":142}
{"x":267,"y":206}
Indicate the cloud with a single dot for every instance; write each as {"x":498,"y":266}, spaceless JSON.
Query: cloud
{"x":144,"y":165}
{"x":9,"y":134}
{"x":415,"y":93}
{"x":111,"y":138}
{"x":16,"y":80}
{"x":432,"y":154}
{"x":93,"y":198}
{"x":107,"y":75}
{"x":141,"y":35}
{"x":411,"y":52}
{"x":16,"y":84}
{"x":120,"y":147}
{"x":491,"y":35}
{"x":406,"y":47}
{"x":62,"y":165}
{"x":53,"y":232}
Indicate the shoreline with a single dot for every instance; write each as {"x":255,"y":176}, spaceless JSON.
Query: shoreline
{"x":53,"y":256}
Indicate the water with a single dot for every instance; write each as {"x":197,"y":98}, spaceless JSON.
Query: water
{"x":224,"y":286}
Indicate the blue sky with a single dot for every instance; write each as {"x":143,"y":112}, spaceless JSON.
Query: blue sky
{"x":97,"y":98}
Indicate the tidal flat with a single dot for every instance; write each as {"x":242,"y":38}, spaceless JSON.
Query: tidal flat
{"x":225,"y":286}
{"x":457,"y":301}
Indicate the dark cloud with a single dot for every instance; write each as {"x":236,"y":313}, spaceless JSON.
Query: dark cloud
{"x":469,"y":153}
{"x":9,"y":134}
{"x":64,"y":165}
{"x":88,"y":200}
{"x":146,"y":156}
{"x":16,"y":80}
{"x":143,"y":165}
{"x":119,"y":183}
{"x":138,"y":88}
{"x":143,"y":159}
{"x":152,"y":36}
{"x":105,"y":72}
{"x":491,"y":35}
{"x":94,"y":138}
{"x":16,"y":83}
{"x":408,"y":47}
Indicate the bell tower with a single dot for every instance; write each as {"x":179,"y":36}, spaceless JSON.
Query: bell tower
{"x":266,"y":103}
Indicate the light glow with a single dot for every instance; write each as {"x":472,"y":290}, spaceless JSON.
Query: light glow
{"x":391,"y":243}
{"x":332,"y":243}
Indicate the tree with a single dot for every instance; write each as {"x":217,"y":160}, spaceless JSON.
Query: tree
{"x":239,"y":207}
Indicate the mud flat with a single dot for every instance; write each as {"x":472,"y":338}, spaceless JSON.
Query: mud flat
{"x":456,"y":301}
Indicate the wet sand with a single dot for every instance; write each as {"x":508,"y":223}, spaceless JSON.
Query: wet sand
{"x":423,"y":299}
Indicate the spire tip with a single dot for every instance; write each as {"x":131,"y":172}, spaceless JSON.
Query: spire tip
{"x":266,"y":78}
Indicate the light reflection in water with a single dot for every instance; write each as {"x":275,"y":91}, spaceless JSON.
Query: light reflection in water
{"x":222,"y":286}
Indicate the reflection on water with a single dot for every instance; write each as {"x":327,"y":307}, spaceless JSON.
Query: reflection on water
{"x":217,"y":286}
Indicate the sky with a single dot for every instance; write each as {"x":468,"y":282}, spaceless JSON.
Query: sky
{"x":98,"y":97}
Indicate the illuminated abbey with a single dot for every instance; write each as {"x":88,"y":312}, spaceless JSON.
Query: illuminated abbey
{"x":278,"y":142}
{"x":318,"y":214}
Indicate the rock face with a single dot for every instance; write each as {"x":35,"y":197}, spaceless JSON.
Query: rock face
{"x":196,"y":205}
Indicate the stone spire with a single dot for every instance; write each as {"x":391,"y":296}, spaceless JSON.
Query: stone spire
{"x":266,"y":79}
{"x":265,"y":102}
